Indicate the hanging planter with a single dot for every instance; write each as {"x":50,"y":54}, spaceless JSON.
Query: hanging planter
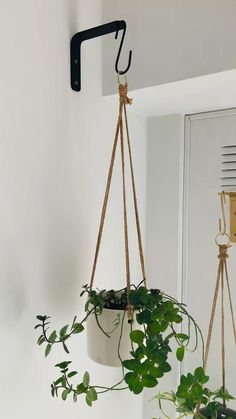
{"x":108,"y":333}
{"x":112,"y":337}
{"x":193,"y":396}
{"x":102,"y":350}
{"x":141,"y":346}
{"x":135,"y":328}
{"x":222,"y":413}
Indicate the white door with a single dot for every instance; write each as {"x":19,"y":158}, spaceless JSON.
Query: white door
{"x":206,"y":134}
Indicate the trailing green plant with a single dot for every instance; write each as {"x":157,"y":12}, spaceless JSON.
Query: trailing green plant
{"x":158,"y":316}
{"x":192,"y":396}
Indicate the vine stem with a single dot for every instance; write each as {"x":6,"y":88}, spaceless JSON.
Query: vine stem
{"x":93,"y":310}
{"x":103,"y":388}
{"x":69,"y":334}
{"x":184,"y":311}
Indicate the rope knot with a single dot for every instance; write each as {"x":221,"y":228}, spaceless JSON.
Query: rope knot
{"x":223,"y":251}
{"x":123,"y":91}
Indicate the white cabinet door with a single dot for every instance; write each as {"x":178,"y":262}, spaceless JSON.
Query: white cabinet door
{"x":205,"y":136}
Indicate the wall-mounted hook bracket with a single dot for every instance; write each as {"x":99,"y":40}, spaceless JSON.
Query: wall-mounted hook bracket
{"x":75,"y":48}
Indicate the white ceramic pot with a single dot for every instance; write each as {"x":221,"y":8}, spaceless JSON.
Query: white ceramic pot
{"x":104,"y":350}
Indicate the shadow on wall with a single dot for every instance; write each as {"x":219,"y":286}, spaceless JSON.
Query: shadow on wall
{"x":13,"y":290}
{"x":72,"y":10}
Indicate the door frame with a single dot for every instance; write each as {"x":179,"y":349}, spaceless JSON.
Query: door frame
{"x":183,"y":233}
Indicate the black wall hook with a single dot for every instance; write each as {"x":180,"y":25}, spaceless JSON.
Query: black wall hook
{"x":119,"y":52}
{"x":75,"y":49}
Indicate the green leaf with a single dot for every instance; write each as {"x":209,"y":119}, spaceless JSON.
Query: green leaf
{"x":53,"y":336}
{"x":74,"y":320}
{"x":212,"y":409}
{"x":37,"y":326}
{"x":155,"y":372}
{"x":149,"y":381}
{"x":201,"y":376}
{"x":197,"y":391}
{"x":139,"y":353}
{"x":137,"y":336}
{"x":41,"y":318}
{"x":78,"y":328}
{"x":64,"y":394}
{"x":178,"y":319}
{"x":72,"y":373}
{"x":182,"y":337}
{"x":65,"y":348}
{"x":222,"y":394}
{"x":155,"y":314}
{"x":63,"y":330}
{"x":92,"y":394}
{"x":48,"y":349}
{"x":81,"y":389}
{"x":163,"y":326}
{"x":40,"y":340}
{"x":131,"y":364}
{"x":134,"y":383}
{"x":153,"y":328}
{"x":166,"y":396}
{"x":86,"y":379}
{"x":165,"y":367}
{"x":63,"y":364}
{"x":138,"y":388}
{"x":143,"y":317}
{"x":180,"y":353}
{"x":129,"y":377}
{"x":58,"y":381}
{"x":88,"y":399}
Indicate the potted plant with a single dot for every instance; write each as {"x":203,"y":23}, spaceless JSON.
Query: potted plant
{"x":193,"y":398}
{"x":140,"y":345}
{"x":134,"y":328}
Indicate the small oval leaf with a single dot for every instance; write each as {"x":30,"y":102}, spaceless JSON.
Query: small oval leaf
{"x":86,"y":379}
{"x":180,"y":353}
{"x":137,"y":336}
{"x":48,"y":349}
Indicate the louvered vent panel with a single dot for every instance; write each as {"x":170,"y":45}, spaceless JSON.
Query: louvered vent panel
{"x":228,"y":168}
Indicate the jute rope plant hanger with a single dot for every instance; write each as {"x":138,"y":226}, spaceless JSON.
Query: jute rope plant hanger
{"x":222,"y":282}
{"x":193,"y":397}
{"x":124,"y":100}
{"x":105,"y":352}
{"x":134,"y":328}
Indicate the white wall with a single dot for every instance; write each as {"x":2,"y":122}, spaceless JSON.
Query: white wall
{"x":54,"y":153}
{"x":171,"y":39}
{"x":164,"y":200}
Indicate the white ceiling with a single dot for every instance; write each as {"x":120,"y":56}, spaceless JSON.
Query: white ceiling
{"x":199,"y":94}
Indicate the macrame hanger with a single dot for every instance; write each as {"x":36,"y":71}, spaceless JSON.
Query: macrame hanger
{"x":138,"y":228}
{"x":222,"y":280}
{"x":119,"y":133}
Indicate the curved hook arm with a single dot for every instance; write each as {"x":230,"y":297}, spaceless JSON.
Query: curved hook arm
{"x":222,"y":230}
{"x":119,"y":51}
